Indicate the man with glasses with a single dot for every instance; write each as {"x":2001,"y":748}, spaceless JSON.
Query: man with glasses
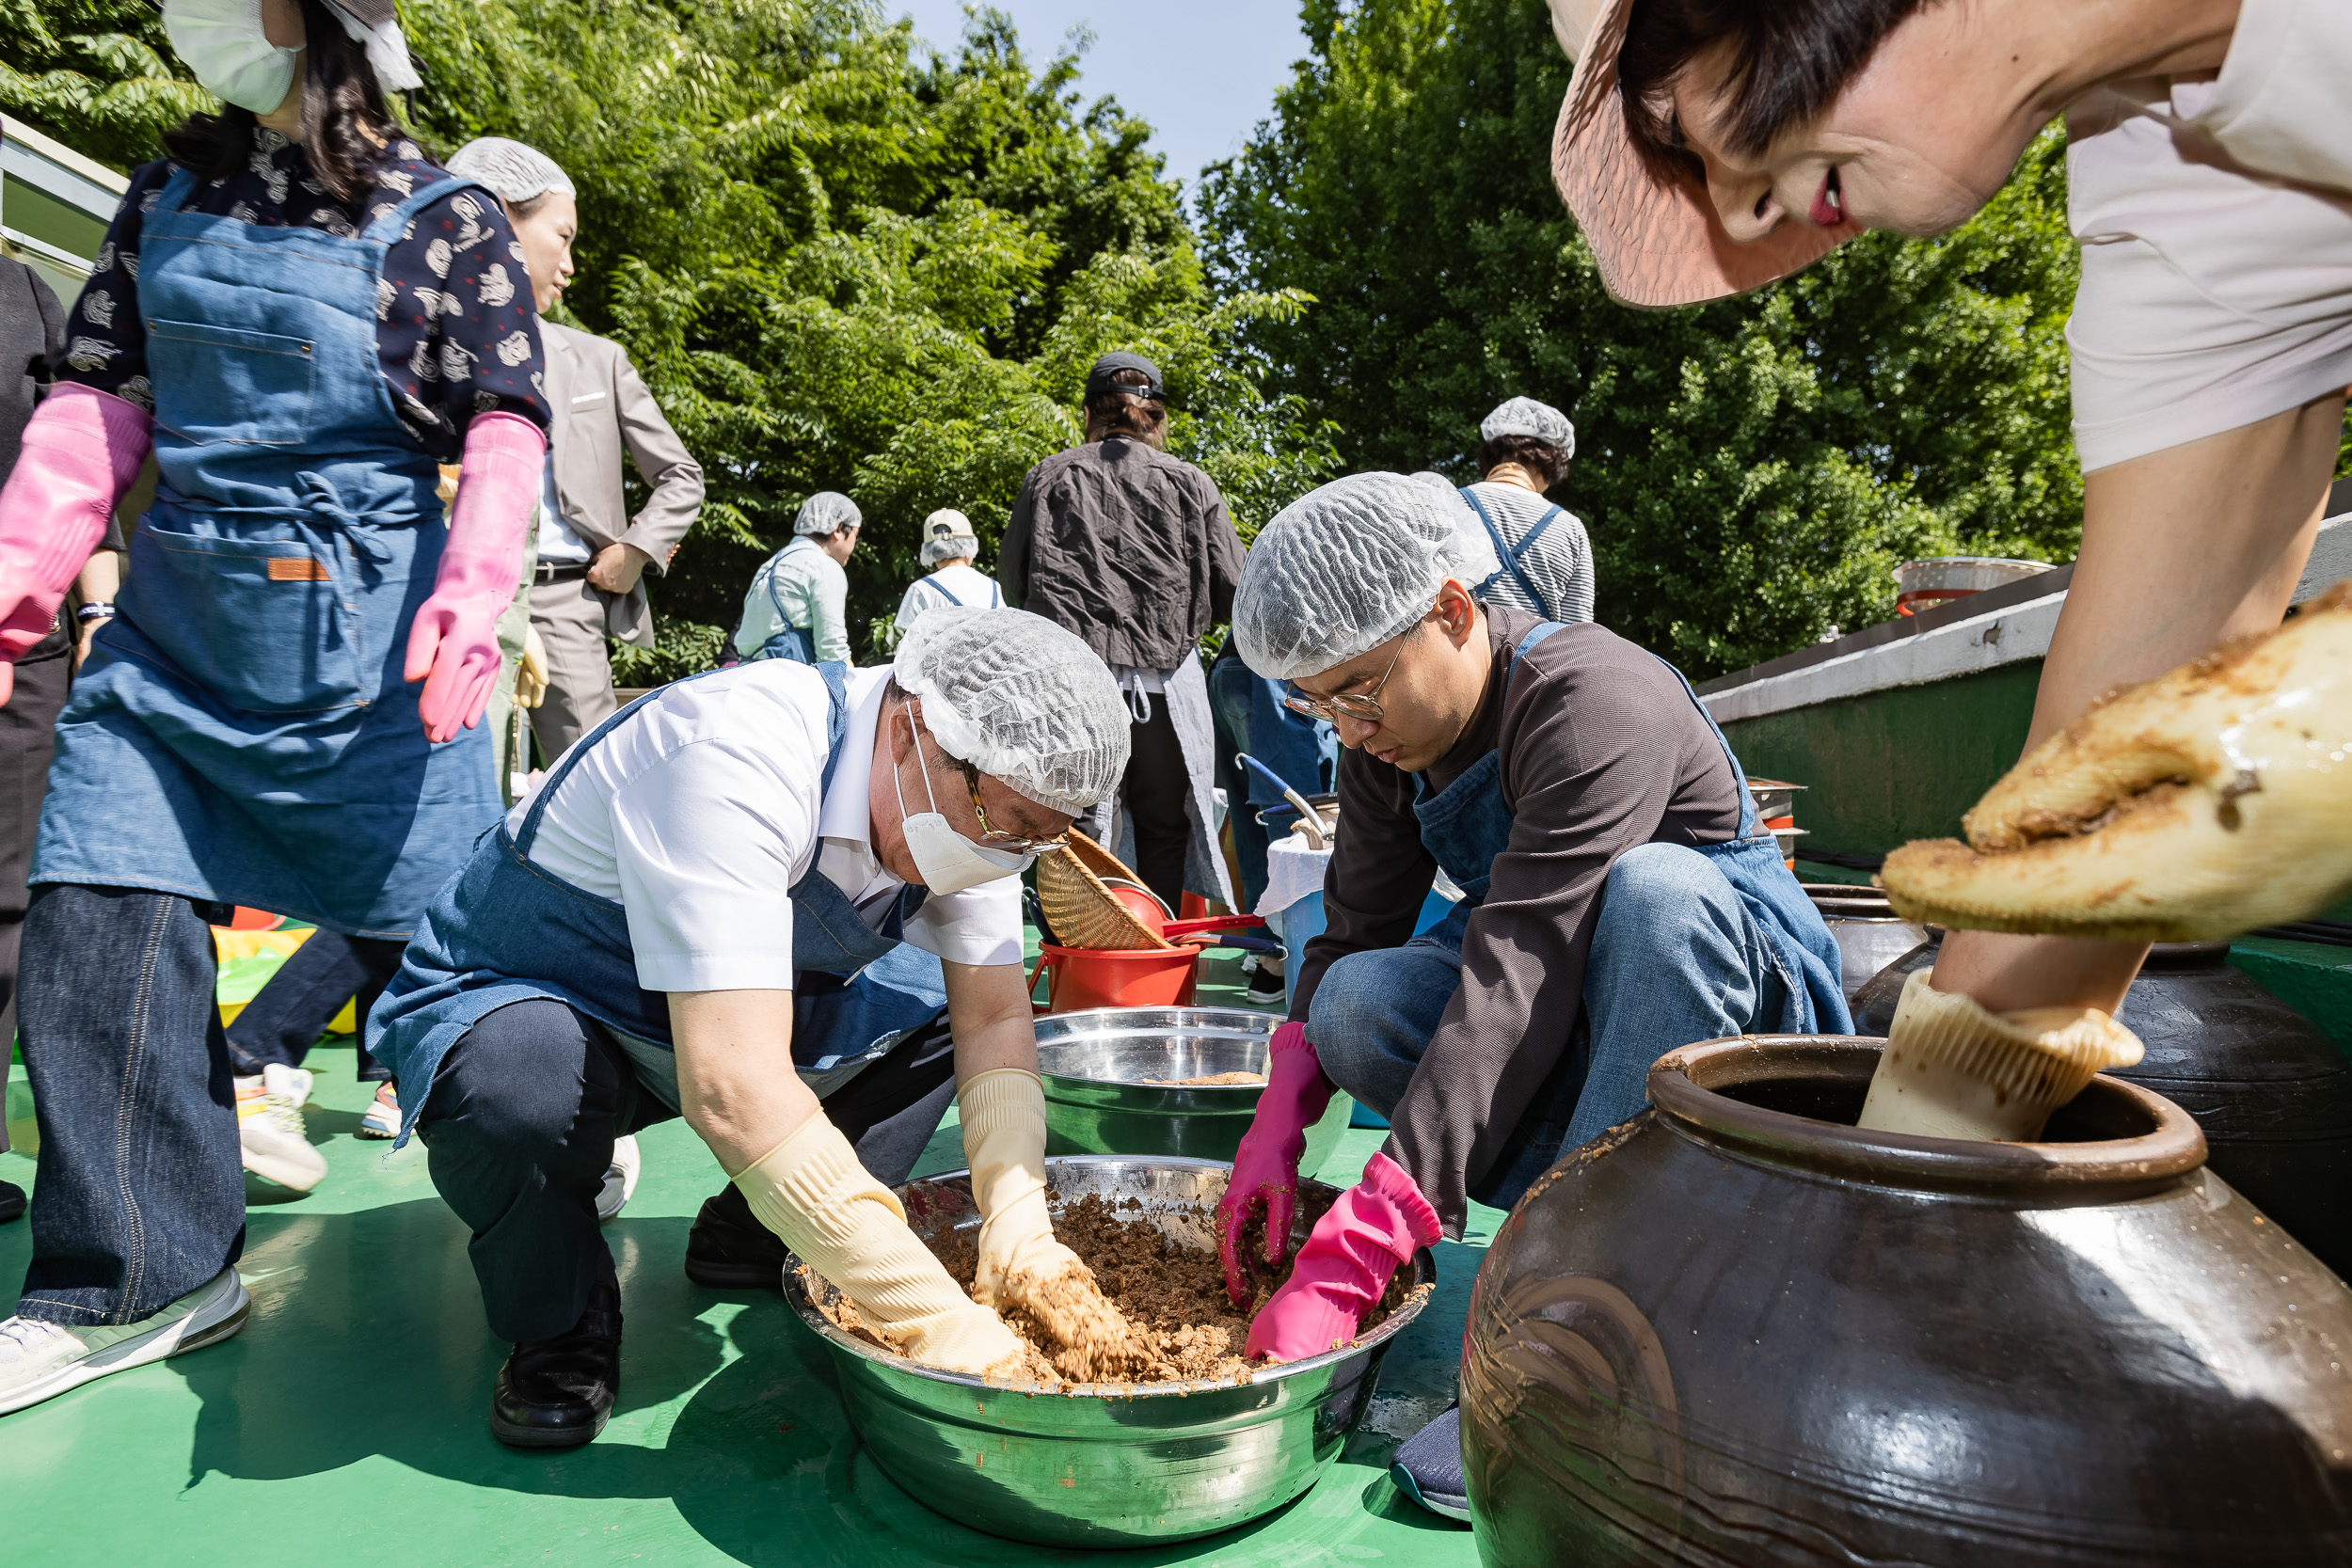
{"x":784,"y":901}
{"x":1620,"y":900}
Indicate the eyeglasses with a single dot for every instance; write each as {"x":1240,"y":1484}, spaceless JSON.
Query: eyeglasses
{"x":1364,"y":709}
{"x":1011,"y":844}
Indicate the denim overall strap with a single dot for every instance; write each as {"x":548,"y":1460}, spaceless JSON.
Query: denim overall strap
{"x":1791,"y":923}
{"x":1467,"y":824}
{"x":1508,"y":554}
{"x":390,"y":225}
{"x":949,"y":591}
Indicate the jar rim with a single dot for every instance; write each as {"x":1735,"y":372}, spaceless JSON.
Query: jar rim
{"x":1686,"y":1085}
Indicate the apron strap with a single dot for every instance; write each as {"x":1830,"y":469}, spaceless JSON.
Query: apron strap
{"x":1534,"y":634}
{"x":393,"y":223}
{"x":1506,"y":554}
{"x":944,"y":589}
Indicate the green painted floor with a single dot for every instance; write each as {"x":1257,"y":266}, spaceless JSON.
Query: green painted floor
{"x":345,"y":1424}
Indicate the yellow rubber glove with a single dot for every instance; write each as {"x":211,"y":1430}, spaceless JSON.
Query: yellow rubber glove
{"x":811,"y":1191}
{"x":1953,"y":1070}
{"x":530,"y":670}
{"x":1022,"y":1265}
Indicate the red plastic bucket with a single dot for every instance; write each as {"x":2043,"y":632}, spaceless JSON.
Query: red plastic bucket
{"x":1077,"y":978}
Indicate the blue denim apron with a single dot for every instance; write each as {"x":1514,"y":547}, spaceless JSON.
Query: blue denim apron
{"x":787,"y":641}
{"x":242,"y":732}
{"x":1466,"y":825}
{"x":503,"y":931}
{"x":1507,"y":554}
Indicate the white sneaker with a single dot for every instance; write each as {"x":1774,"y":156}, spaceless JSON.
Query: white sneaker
{"x":40,"y":1360}
{"x":269,"y":1127}
{"x":620,"y":1178}
{"x":381,"y":1119}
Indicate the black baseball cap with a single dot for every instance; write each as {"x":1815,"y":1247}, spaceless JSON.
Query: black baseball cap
{"x":1100,"y":378}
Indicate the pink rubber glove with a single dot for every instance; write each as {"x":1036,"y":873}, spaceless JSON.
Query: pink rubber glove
{"x":83,"y":448}
{"x":453,"y":644}
{"x":1375,"y":1227}
{"x":1265,"y":1167}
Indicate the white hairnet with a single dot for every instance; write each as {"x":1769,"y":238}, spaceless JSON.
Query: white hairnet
{"x":514,"y":171}
{"x":827,"y":512}
{"x":1349,"y":566}
{"x":948,"y":536}
{"x":1020,"y":700}
{"x":1526,"y":417}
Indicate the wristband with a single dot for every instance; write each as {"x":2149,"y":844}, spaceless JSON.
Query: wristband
{"x":95,"y":612}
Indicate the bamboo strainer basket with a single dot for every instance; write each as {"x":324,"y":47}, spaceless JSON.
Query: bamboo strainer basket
{"x":1081,"y":909}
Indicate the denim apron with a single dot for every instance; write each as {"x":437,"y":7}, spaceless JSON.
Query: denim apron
{"x":1467,"y":824}
{"x":503,"y":931}
{"x":787,"y":641}
{"x":242,"y":732}
{"x":1508,"y":554}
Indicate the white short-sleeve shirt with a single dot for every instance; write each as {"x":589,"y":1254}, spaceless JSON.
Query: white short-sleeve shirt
{"x":958,"y":584}
{"x":699,"y":811}
{"x":2215,"y":222}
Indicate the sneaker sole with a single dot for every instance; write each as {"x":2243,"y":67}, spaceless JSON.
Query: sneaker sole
{"x":1446,"y":1508}
{"x":540,"y":1437}
{"x":368,"y":1129}
{"x":285,"y":1174}
{"x":209,"y":1324}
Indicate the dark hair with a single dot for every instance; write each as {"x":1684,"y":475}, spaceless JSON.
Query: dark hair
{"x":341,"y":98}
{"x":518,"y":211}
{"x":1117,"y":414}
{"x":1787,"y":61}
{"x":1544,"y":460}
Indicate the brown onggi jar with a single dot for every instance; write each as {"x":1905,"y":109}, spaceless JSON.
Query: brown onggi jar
{"x":1739,"y":1330}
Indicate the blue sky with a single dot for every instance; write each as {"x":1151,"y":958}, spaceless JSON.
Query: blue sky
{"x":1202,"y":71}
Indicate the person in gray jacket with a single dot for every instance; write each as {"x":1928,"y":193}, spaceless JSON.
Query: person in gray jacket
{"x":591,"y":554}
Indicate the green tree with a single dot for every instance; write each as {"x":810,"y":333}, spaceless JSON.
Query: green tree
{"x":845,"y":262}
{"x":1750,"y":471}
{"x":97,"y":74}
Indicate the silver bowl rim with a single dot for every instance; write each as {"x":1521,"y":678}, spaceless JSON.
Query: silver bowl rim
{"x":1425,"y":1273}
{"x":1249,"y":1091}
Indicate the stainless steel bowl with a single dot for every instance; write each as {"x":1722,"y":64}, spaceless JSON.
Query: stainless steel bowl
{"x":1165,"y":1462}
{"x":1099,"y":1097}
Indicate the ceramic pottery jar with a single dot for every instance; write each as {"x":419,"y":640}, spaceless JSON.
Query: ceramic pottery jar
{"x":2272,"y":1094}
{"x":1737,"y":1330}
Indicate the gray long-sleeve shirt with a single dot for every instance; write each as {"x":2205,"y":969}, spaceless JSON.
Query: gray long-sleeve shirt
{"x":1602,"y":750}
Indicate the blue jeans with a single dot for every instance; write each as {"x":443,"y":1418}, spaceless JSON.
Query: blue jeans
{"x":141,"y":1196}
{"x":289,"y":1014}
{"x":1676,"y":958}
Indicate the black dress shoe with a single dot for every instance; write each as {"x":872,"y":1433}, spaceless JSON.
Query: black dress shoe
{"x":558,"y":1393}
{"x":12,"y":1201}
{"x":729,"y":1249}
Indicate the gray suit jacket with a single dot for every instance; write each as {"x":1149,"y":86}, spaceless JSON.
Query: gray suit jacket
{"x":601,"y":405}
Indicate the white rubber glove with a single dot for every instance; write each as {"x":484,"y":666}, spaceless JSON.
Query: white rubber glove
{"x":1953,"y":1070}
{"x":811,"y":1191}
{"x":1022,"y":1265}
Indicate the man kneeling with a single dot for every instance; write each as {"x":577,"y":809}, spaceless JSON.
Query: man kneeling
{"x":746,"y":899}
{"x":1620,"y":900}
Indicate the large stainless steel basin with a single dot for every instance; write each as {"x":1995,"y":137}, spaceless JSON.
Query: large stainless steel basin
{"x":1159,"y":1462}
{"x":1099,"y":1068}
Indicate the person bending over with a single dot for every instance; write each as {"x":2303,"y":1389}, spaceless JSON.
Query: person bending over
{"x":748,"y":898}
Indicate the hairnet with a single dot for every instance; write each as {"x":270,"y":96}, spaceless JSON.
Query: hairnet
{"x":948,"y":536}
{"x":514,"y":171}
{"x":1020,"y":700}
{"x":1349,"y":566}
{"x":827,"y":512}
{"x":1526,"y":417}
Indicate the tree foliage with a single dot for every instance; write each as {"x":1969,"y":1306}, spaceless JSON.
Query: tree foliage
{"x":1750,"y":471}
{"x":97,"y":74}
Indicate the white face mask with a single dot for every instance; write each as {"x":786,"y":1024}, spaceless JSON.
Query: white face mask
{"x":223,"y":43}
{"x":946,"y":861}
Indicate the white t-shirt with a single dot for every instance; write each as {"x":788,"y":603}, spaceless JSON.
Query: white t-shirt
{"x":2216,"y":220}
{"x":955,"y":584}
{"x":699,"y":812}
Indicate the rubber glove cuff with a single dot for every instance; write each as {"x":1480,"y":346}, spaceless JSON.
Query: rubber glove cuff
{"x":1348,"y":1262}
{"x":1951,"y":1070}
{"x":81,"y":450}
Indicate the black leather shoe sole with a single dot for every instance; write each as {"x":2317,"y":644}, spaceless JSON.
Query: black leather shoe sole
{"x":729,"y":1249}
{"x":12,"y":1201}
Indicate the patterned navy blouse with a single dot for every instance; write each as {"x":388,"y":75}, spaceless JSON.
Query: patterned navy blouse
{"x":455,"y":336}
